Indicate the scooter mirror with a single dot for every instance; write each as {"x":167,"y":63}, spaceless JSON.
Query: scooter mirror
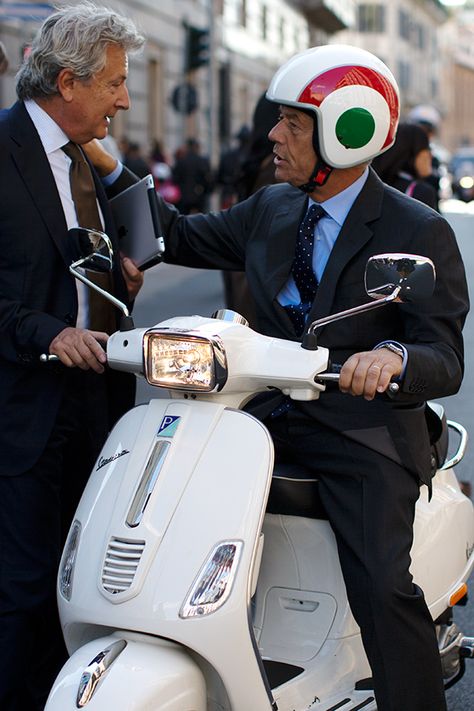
{"x":92,"y":249}
{"x":94,"y":252}
{"x":411,"y":275}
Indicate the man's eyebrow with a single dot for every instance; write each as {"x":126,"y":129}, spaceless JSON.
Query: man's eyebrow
{"x":293,"y":116}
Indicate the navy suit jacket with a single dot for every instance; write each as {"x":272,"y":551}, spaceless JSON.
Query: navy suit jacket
{"x":259,"y":235}
{"x":38,"y":296}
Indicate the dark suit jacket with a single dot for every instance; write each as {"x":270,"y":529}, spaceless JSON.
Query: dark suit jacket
{"x":38,"y":296}
{"x":259,"y":235}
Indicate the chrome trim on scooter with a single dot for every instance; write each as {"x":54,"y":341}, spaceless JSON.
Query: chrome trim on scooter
{"x":466,"y":647}
{"x":147,"y":483}
{"x":121,"y":562}
{"x":461,"y":450}
{"x":94,"y":673}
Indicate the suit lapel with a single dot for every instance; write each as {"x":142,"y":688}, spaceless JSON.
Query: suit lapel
{"x":33,"y":166}
{"x":282,"y":232}
{"x":354,"y":235}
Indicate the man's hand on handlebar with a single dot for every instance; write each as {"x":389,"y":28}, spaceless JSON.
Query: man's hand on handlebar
{"x":370,"y":372}
{"x":80,"y":348}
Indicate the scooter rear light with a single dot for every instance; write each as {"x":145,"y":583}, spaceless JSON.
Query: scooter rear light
{"x":184,"y":362}
{"x":213,"y":584}
{"x":68,"y":562}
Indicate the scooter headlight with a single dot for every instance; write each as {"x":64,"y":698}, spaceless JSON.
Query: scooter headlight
{"x":184,"y":361}
{"x":68,"y":562}
{"x":214,"y":583}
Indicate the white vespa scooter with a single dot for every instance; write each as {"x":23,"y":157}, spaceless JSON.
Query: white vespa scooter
{"x":177,"y":591}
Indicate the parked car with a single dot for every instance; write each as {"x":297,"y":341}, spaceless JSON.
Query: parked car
{"x":462,"y":172}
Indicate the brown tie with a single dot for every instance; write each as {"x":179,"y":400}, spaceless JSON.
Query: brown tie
{"x":101,"y":312}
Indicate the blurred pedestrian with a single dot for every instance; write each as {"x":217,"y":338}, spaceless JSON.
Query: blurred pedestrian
{"x":135,"y":161}
{"x":192,"y":174}
{"x":229,"y":168}
{"x":407,"y":164}
{"x":255,"y":169}
{"x":53,"y":418}
{"x":429,"y":119}
{"x":164,"y":183}
{"x":157,"y":154}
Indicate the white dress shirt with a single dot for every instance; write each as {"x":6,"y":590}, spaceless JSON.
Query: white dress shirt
{"x":53,"y":138}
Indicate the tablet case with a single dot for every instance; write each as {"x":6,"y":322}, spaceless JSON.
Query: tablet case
{"x":135,"y":212}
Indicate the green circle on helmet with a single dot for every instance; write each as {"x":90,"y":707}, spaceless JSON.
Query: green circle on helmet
{"x":355,"y":127}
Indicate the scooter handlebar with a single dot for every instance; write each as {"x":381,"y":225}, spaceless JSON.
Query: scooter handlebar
{"x":332,"y":376}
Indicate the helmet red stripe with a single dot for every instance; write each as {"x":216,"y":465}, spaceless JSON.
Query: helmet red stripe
{"x":327,"y":82}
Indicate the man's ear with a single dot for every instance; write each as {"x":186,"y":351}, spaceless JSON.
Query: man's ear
{"x":66,"y":84}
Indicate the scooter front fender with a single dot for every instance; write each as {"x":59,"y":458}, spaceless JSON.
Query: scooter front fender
{"x":125,"y":672}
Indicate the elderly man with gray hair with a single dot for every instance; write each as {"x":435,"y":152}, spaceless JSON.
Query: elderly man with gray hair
{"x":54,"y":418}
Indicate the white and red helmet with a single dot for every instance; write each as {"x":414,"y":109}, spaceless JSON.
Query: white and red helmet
{"x":353,"y":95}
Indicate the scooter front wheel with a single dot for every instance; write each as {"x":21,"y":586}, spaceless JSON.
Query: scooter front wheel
{"x":126,"y":671}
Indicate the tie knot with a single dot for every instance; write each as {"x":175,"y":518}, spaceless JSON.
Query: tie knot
{"x":315,"y":212}
{"x":74,"y":152}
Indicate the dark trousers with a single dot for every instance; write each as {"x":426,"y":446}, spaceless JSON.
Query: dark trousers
{"x":36,"y":509}
{"x":370,"y":502}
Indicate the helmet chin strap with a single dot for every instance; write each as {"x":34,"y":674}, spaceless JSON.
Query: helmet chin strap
{"x":318,"y":177}
{"x":322,"y":170}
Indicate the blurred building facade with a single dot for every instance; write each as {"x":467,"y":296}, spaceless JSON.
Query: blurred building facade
{"x":430,"y":50}
{"x":457,"y":42}
{"x":246,"y":40}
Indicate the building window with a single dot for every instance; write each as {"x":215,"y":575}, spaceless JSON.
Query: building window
{"x":243,"y":13}
{"x":404,"y":25}
{"x":418,"y":36}
{"x":404,"y":75}
{"x":371,"y":18}
{"x":281,"y":33}
{"x":264,"y":22}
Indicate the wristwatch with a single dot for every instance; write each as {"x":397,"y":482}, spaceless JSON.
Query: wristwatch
{"x":394,"y":347}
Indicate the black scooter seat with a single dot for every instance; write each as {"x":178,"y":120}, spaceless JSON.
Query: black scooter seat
{"x":294,"y":492}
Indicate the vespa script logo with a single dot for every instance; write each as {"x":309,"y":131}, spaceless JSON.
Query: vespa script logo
{"x":103,"y":461}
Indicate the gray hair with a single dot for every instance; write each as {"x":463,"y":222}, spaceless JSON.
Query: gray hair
{"x":75,"y":38}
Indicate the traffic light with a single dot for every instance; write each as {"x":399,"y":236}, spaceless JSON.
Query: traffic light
{"x":197,"y":48}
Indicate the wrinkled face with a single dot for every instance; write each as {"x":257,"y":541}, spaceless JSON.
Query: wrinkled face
{"x":94,"y":102}
{"x":295,"y":158}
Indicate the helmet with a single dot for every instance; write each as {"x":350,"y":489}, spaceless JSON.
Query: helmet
{"x":425,"y":114}
{"x":354,"y":98}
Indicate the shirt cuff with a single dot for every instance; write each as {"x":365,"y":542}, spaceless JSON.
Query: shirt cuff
{"x":399,"y":347}
{"x":110,"y":179}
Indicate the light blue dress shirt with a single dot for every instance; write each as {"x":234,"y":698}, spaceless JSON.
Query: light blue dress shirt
{"x":326,"y":232}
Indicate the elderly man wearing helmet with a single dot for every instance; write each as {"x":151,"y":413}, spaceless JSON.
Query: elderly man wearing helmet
{"x":339,"y":108}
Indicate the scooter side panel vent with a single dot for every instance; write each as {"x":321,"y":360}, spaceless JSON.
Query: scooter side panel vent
{"x":120,"y":564}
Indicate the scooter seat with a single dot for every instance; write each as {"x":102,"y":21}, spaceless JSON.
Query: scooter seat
{"x":294,"y":492}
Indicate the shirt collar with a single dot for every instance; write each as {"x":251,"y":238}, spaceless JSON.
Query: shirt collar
{"x":51,"y":135}
{"x":339,"y":205}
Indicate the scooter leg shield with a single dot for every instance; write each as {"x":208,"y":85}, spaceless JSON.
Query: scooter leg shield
{"x":126,"y":672}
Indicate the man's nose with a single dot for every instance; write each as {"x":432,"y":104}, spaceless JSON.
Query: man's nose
{"x":274,"y":133}
{"x":123,"y":100}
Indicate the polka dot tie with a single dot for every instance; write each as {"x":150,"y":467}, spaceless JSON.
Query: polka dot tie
{"x":302,"y":269}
